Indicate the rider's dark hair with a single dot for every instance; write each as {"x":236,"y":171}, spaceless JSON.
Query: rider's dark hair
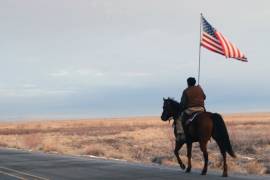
{"x":191,"y":81}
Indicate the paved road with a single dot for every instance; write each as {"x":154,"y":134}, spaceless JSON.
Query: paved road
{"x":17,"y":164}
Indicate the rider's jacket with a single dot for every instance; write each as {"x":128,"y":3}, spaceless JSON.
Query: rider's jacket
{"x":193,"y":96}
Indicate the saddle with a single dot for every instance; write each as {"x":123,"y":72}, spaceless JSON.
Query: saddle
{"x":191,"y":113}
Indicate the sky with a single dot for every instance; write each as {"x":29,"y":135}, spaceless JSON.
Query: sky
{"x":115,"y":58}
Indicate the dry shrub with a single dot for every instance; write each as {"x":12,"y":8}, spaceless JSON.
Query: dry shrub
{"x":249,"y":138}
{"x":255,"y":168}
{"x":52,"y":143}
{"x":33,"y":141}
{"x":267,"y":171}
{"x":50,"y":147}
{"x":75,"y":142}
{"x":140,"y":153}
{"x":115,"y":155}
{"x":166,"y":160}
{"x":3,"y":144}
{"x":95,"y":150}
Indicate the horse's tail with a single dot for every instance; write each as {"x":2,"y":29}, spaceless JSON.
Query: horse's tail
{"x":221,"y":136}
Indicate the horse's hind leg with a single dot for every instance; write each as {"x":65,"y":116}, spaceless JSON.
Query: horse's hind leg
{"x":203,"y":146}
{"x":189,"y":150}
{"x":178,"y":146}
{"x":225,"y":168}
{"x":223,"y":152}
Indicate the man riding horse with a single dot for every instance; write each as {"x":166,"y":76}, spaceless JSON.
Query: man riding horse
{"x":203,"y":127}
{"x":192,"y":101}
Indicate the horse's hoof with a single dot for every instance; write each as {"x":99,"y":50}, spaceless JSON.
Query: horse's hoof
{"x":182,"y":166}
{"x":188,"y":170}
{"x":203,"y":173}
{"x":224,"y":175}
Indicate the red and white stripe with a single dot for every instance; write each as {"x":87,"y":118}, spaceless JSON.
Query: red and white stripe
{"x":211,"y":43}
{"x":229,"y":49}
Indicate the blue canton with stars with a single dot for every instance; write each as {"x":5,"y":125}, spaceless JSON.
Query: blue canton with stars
{"x":208,"y":28}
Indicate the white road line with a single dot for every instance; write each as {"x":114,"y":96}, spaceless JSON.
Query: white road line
{"x":12,"y":175}
{"x":23,"y":173}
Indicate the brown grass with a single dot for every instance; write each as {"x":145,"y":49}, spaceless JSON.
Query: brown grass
{"x":142,"y":139}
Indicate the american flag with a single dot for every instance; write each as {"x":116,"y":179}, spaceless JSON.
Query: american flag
{"x":216,"y":42}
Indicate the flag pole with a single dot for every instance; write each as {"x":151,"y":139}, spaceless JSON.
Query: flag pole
{"x":199,"y":68}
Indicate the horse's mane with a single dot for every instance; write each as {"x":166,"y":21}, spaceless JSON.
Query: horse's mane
{"x":173,"y":101}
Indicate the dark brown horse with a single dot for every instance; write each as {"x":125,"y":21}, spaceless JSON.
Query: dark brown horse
{"x":204,"y":126}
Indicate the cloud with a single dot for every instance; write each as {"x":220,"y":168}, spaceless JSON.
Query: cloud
{"x":29,"y":86}
{"x":136,"y":74}
{"x":99,"y":74}
{"x":76,"y":73}
{"x":60,"y":73}
{"x":89,"y":72}
{"x":28,"y":92}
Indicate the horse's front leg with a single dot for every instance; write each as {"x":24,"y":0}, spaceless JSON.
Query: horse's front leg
{"x":178,"y":146}
{"x":189,"y":150}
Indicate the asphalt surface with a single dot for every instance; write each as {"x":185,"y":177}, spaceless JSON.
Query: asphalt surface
{"x":17,"y":164}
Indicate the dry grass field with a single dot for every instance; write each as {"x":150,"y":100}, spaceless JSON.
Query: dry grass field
{"x":142,"y":139}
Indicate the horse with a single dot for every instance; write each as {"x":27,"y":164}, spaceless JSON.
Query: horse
{"x":204,"y":126}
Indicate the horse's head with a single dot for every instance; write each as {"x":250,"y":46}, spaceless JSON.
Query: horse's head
{"x":170,"y":109}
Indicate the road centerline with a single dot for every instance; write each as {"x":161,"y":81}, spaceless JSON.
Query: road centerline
{"x":11,"y":175}
{"x":20,"y":174}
